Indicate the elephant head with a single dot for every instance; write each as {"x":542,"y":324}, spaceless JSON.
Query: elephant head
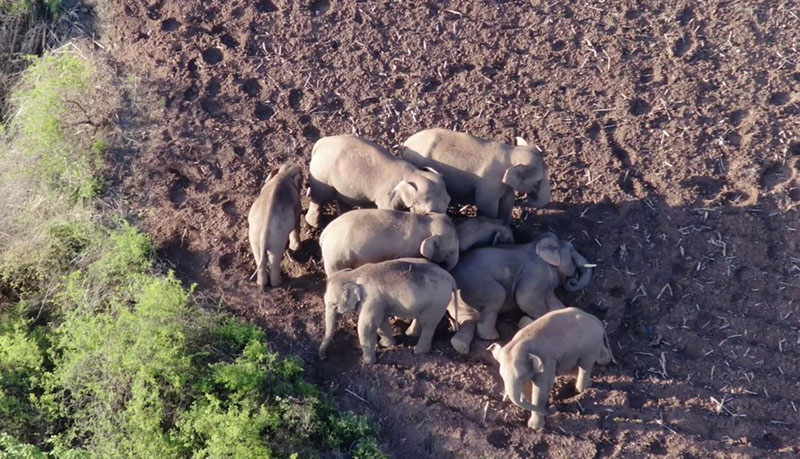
{"x":574,"y":271}
{"x":528,"y":174}
{"x":344,"y":295}
{"x":516,"y":373}
{"x":422,"y":192}
{"x":290,"y":170}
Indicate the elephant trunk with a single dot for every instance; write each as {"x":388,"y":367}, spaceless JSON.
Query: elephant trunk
{"x":543,"y":196}
{"x":330,"y":327}
{"x":583,"y":274}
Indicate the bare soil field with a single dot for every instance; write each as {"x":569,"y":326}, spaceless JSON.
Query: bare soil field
{"x":672,"y":131}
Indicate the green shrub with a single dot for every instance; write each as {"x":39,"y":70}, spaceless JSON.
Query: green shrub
{"x":30,"y":7}
{"x":100,"y":355}
{"x":50,"y":92}
{"x":21,"y":369}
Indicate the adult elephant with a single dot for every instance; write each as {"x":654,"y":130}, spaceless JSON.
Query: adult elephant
{"x":486,"y":171}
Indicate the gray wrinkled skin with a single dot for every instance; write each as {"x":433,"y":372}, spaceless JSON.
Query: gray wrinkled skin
{"x":496,"y":279}
{"x":480,"y":232}
{"x":372,"y":235}
{"x":274,"y":222}
{"x":556,"y":342}
{"x":408,"y":288}
{"x":482,"y":170}
{"x":361,"y":172}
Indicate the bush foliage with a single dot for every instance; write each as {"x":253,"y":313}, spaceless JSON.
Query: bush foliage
{"x":100,"y":355}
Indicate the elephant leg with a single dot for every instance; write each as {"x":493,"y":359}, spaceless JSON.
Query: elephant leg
{"x":367,"y":335}
{"x":425,"y":337}
{"x":552,"y":301}
{"x":524,"y":321}
{"x":294,"y":237}
{"x":531,"y":296}
{"x":540,"y":392}
{"x":463,"y":337}
{"x":584,"y":381}
{"x":385,"y":332}
{"x":319,"y":194}
{"x":506,"y":208}
{"x":413,"y":329}
{"x":492,"y":300}
{"x":487,"y":202}
{"x":274,"y":258}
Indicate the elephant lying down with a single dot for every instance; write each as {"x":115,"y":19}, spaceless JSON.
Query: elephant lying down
{"x":496,"y":279}
{"x":555,"y":342}
{"x":409,"y":288}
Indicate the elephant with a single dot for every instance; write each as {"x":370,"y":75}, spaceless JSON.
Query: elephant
{"x":504,"y":277}
{"x":555,"y":342}
{"x":360,"y":172}
{"x":274,"y":221}
{"x":372,"y":235}
{"x":480,"y":231}
{"x":408,"y":287}
{"x":486,"y":171}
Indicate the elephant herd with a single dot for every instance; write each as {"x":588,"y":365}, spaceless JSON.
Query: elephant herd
{"x":408,"y":259}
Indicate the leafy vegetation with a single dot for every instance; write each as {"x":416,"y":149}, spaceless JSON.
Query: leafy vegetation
{"x":102,"y":355}
{"x":30,"y":7}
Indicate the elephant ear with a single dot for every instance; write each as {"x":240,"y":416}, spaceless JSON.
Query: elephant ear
{"x":353,"y":295}
{"x":536,"y":363}
{"x":514,"y":176}
{"x":549,"y":251}
{"x":297,"y":179}
{"x":495,"y":348}
{"x":429,"y":247}
{"x":271,"y":174}
{"x":403,"y":195}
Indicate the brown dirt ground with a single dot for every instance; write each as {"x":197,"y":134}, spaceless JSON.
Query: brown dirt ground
{"x":671,"y":130}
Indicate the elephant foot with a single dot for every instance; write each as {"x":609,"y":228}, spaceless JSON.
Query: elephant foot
{"x":460,"y":344}
{"x":312,"y":220}
{"x":413,"y":329}
{"x":370,"y":359}
{"x":387,"y":341}
{"x":524,"y":321}
{"x":487,"y":333}
{"x":536,"y":421}
{"x":422,"y":348}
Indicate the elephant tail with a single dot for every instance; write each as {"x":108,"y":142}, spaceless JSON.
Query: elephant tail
{"x":607,"y":343}
{"x":455,"y":306}
{"x":260,"y":264}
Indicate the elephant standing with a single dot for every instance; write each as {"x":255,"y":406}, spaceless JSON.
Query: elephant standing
{"x":372,"y":235}
{"x":488,"y":172}
{"x":361,"y":172}
{"x":555,"y":342}
{"x":501,"y":278}
{"x":274,"y":221}
{"x":409,"y":288}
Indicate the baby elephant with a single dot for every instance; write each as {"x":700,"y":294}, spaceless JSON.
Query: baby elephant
{"x":274,"y":221}
{"x":481,"y":231}
{"x":372,"y":235}
{"x":360,"y":172}
{"x":409,"y":288}
{"x":555,"y":342}
{"x":502,"y":278}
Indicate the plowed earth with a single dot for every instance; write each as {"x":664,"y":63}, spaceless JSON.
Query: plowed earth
{"x":671,"y":131}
